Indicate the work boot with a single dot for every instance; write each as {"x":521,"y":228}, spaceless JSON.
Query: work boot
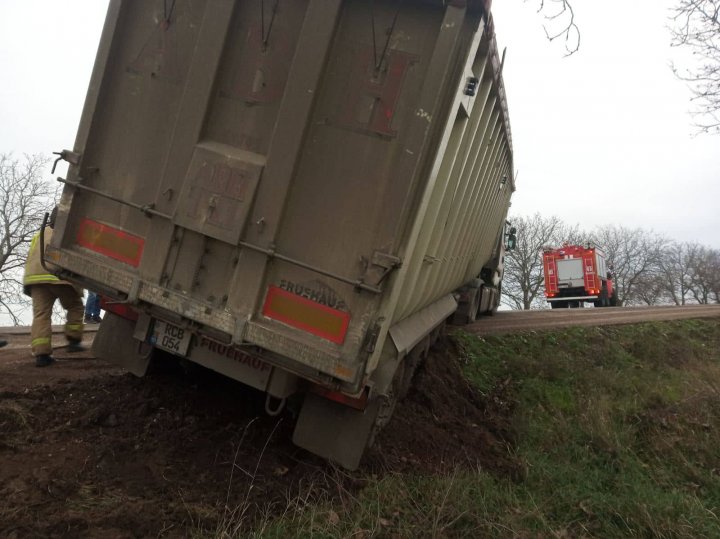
{"x":88,"y":319}
{"x":43,"y":360}
{"x":75,"y":346}
{"x":96,"y":319}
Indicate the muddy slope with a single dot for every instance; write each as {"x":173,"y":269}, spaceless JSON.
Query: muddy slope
{"x":118,"y":456}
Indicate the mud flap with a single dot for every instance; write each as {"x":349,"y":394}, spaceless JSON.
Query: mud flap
{"x":334,"y":431}
{"x":114,"y":342}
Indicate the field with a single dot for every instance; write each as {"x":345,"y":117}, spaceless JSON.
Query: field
{"x":581,"y":432}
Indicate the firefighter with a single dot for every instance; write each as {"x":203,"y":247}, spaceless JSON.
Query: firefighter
{"x":45,"y":288}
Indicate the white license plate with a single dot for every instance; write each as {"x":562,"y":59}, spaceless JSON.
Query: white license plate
{"x":171,"y":338}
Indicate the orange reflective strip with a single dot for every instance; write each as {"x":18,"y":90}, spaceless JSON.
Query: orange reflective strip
{"x":111,"y":242}
{"x":307,"y":315}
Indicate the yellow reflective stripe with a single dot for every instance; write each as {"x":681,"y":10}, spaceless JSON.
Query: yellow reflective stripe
{"x":40,"y":340}
{"x":43,"y":277}
{"x":73,"y":326}
{"x":33,"y":244}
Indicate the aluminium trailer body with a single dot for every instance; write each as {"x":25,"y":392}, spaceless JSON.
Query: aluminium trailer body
{"x":291,"y":197}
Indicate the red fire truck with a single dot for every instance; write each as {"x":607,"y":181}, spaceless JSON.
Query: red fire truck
{"x":575,"y":274}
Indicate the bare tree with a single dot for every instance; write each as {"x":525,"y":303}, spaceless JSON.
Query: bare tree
{"x":24,"y":198}
{"x":677,"y":268}
{"x":649,"y":289}
{"x":696,"y":27}
{"x":634,"y":254}
{"x":523,"y":279}
{"x":560,"y":23}
{"x":705,"y":274}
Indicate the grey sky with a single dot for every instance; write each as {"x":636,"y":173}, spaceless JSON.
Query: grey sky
{"x":602,"y":137}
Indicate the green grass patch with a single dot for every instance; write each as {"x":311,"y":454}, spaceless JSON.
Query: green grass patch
{"x":619,"y":426}
{"x":617,"y":429}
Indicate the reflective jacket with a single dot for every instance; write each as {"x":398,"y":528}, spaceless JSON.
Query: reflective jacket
{"x":34,"y":272}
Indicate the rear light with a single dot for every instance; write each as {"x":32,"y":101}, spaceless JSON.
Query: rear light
{"x":306,"y":315}
{"x":358,"y":403}
{"x":120,"y":309}
{"x":111,"y":242}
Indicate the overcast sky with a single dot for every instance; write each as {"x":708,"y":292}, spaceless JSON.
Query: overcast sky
{"x":601,"y":137}
{"x":604,"y":136}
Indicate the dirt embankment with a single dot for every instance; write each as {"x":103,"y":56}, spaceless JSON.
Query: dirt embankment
{"x":546,"y":319}
{"x":88,"y":451}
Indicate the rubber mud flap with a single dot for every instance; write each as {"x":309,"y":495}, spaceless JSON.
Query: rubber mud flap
{"x":334,"y":431}
{"x":114,"y":342}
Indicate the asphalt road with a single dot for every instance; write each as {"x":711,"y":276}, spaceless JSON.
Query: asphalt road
{"x":514,"y":321}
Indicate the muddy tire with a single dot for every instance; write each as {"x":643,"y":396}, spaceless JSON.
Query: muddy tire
{"x":388,"y":403}
{"x":603,"y":300}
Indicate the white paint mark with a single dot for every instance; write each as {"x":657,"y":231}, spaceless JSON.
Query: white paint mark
{"x":424,"y":115}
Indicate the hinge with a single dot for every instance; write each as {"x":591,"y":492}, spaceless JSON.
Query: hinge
{"x":371,"y":338}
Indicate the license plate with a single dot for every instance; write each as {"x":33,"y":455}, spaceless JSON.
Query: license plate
{"x":171,"y":338}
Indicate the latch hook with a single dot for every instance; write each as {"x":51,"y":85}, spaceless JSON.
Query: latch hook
{"x":66,"y":155}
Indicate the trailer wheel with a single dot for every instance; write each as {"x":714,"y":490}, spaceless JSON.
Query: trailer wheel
{"x":388,"y":402}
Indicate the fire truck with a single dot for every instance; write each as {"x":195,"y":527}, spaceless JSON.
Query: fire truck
{"x":575,"y":274}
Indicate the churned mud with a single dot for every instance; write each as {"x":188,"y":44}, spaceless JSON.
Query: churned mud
{"x":87,"y":450}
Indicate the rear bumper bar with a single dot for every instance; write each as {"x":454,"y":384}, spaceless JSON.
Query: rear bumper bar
{"x":571,"y":298}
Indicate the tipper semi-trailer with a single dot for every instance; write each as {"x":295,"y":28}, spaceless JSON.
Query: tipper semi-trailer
{"x":575,"y":274}
{"x":295,"y":194}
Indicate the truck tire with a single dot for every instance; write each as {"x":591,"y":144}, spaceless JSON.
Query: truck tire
{"x":468,"y":306}
{"x":603,"y":300}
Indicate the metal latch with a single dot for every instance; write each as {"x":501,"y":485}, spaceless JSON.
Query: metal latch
{"x":66,"y":155}
{"x":388,"y":262}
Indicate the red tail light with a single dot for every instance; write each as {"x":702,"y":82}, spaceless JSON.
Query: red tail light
{"x":120,"y":309}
